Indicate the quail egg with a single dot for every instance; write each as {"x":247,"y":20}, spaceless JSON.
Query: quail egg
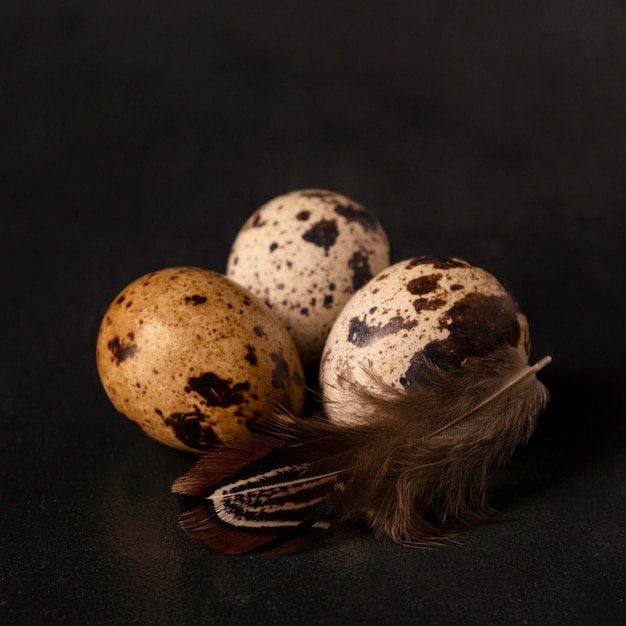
{"x":195,"y":360}
{"x":304,"y":254}
{"x":426,"y":309}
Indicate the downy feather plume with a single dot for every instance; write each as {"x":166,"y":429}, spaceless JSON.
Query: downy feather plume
{"x":418,"y":462}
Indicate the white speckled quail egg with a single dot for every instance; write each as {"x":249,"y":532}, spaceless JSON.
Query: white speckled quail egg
{"x":438,"y":309}
{"x":195,"y":359}
{"x":304,"y":254}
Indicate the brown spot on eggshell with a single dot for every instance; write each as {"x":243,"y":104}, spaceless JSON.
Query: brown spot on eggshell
{"x":479,"y":324}
{"x":353,"y":213}
{"x":257,"y":222}
{"x":217,"y":391}
{"x":195,"y":299}
{"x":122,"y":349}
{"x":361,"y":271}
{"x":360,"y":334}
{"x":193,"y":430}
{"x":423,"y":284}
{"x":251,"y":356}
{"x":441,"y":263}
{"x":297,"y":379}
{"x":428,"y":304}
{"x":280,"y":373}
{"x":323,"y":234}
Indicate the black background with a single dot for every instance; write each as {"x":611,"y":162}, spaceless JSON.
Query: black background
{"x":141,"y":135}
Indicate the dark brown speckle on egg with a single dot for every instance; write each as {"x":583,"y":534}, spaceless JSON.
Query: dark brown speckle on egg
{"x":423,"y":284}
{"x":323,"y":234}
{"x":192,"y":430}
{"x":353,"y":213}
{"x":360,"y":268}
{"x":121,"y":349}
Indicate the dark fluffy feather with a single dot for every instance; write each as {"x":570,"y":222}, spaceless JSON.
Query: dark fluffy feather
{"x":416,"y":461}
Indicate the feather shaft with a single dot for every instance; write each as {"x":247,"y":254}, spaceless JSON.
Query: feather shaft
{"x":520,"y":376}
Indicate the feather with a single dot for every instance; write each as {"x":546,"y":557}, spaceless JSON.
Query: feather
{"x":416,"y":462}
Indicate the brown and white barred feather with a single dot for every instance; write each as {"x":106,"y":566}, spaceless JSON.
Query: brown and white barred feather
{"x":418,"y":462}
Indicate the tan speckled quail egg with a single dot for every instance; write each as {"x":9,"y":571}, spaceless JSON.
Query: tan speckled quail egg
{"x":195,"y":359}
{"x":304,"y":254}
{"x":438,"y":309}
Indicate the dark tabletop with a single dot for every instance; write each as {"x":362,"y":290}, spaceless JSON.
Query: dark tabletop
{"x":141,"y":135}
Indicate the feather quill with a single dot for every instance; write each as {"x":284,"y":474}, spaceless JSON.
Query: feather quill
{"x":417,"y":462}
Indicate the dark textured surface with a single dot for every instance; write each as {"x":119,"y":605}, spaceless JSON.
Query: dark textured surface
{"x":137,"y":136}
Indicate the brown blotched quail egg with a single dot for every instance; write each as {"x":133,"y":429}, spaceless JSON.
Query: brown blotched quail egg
{"x":304,"y":254}
{"x":442,"y":310}
{"x":195,"y":359}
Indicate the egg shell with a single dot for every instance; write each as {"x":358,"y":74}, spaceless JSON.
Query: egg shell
{"x":440,"y":310}
{"x":195,"y":360}
{"x":304,"y":254}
